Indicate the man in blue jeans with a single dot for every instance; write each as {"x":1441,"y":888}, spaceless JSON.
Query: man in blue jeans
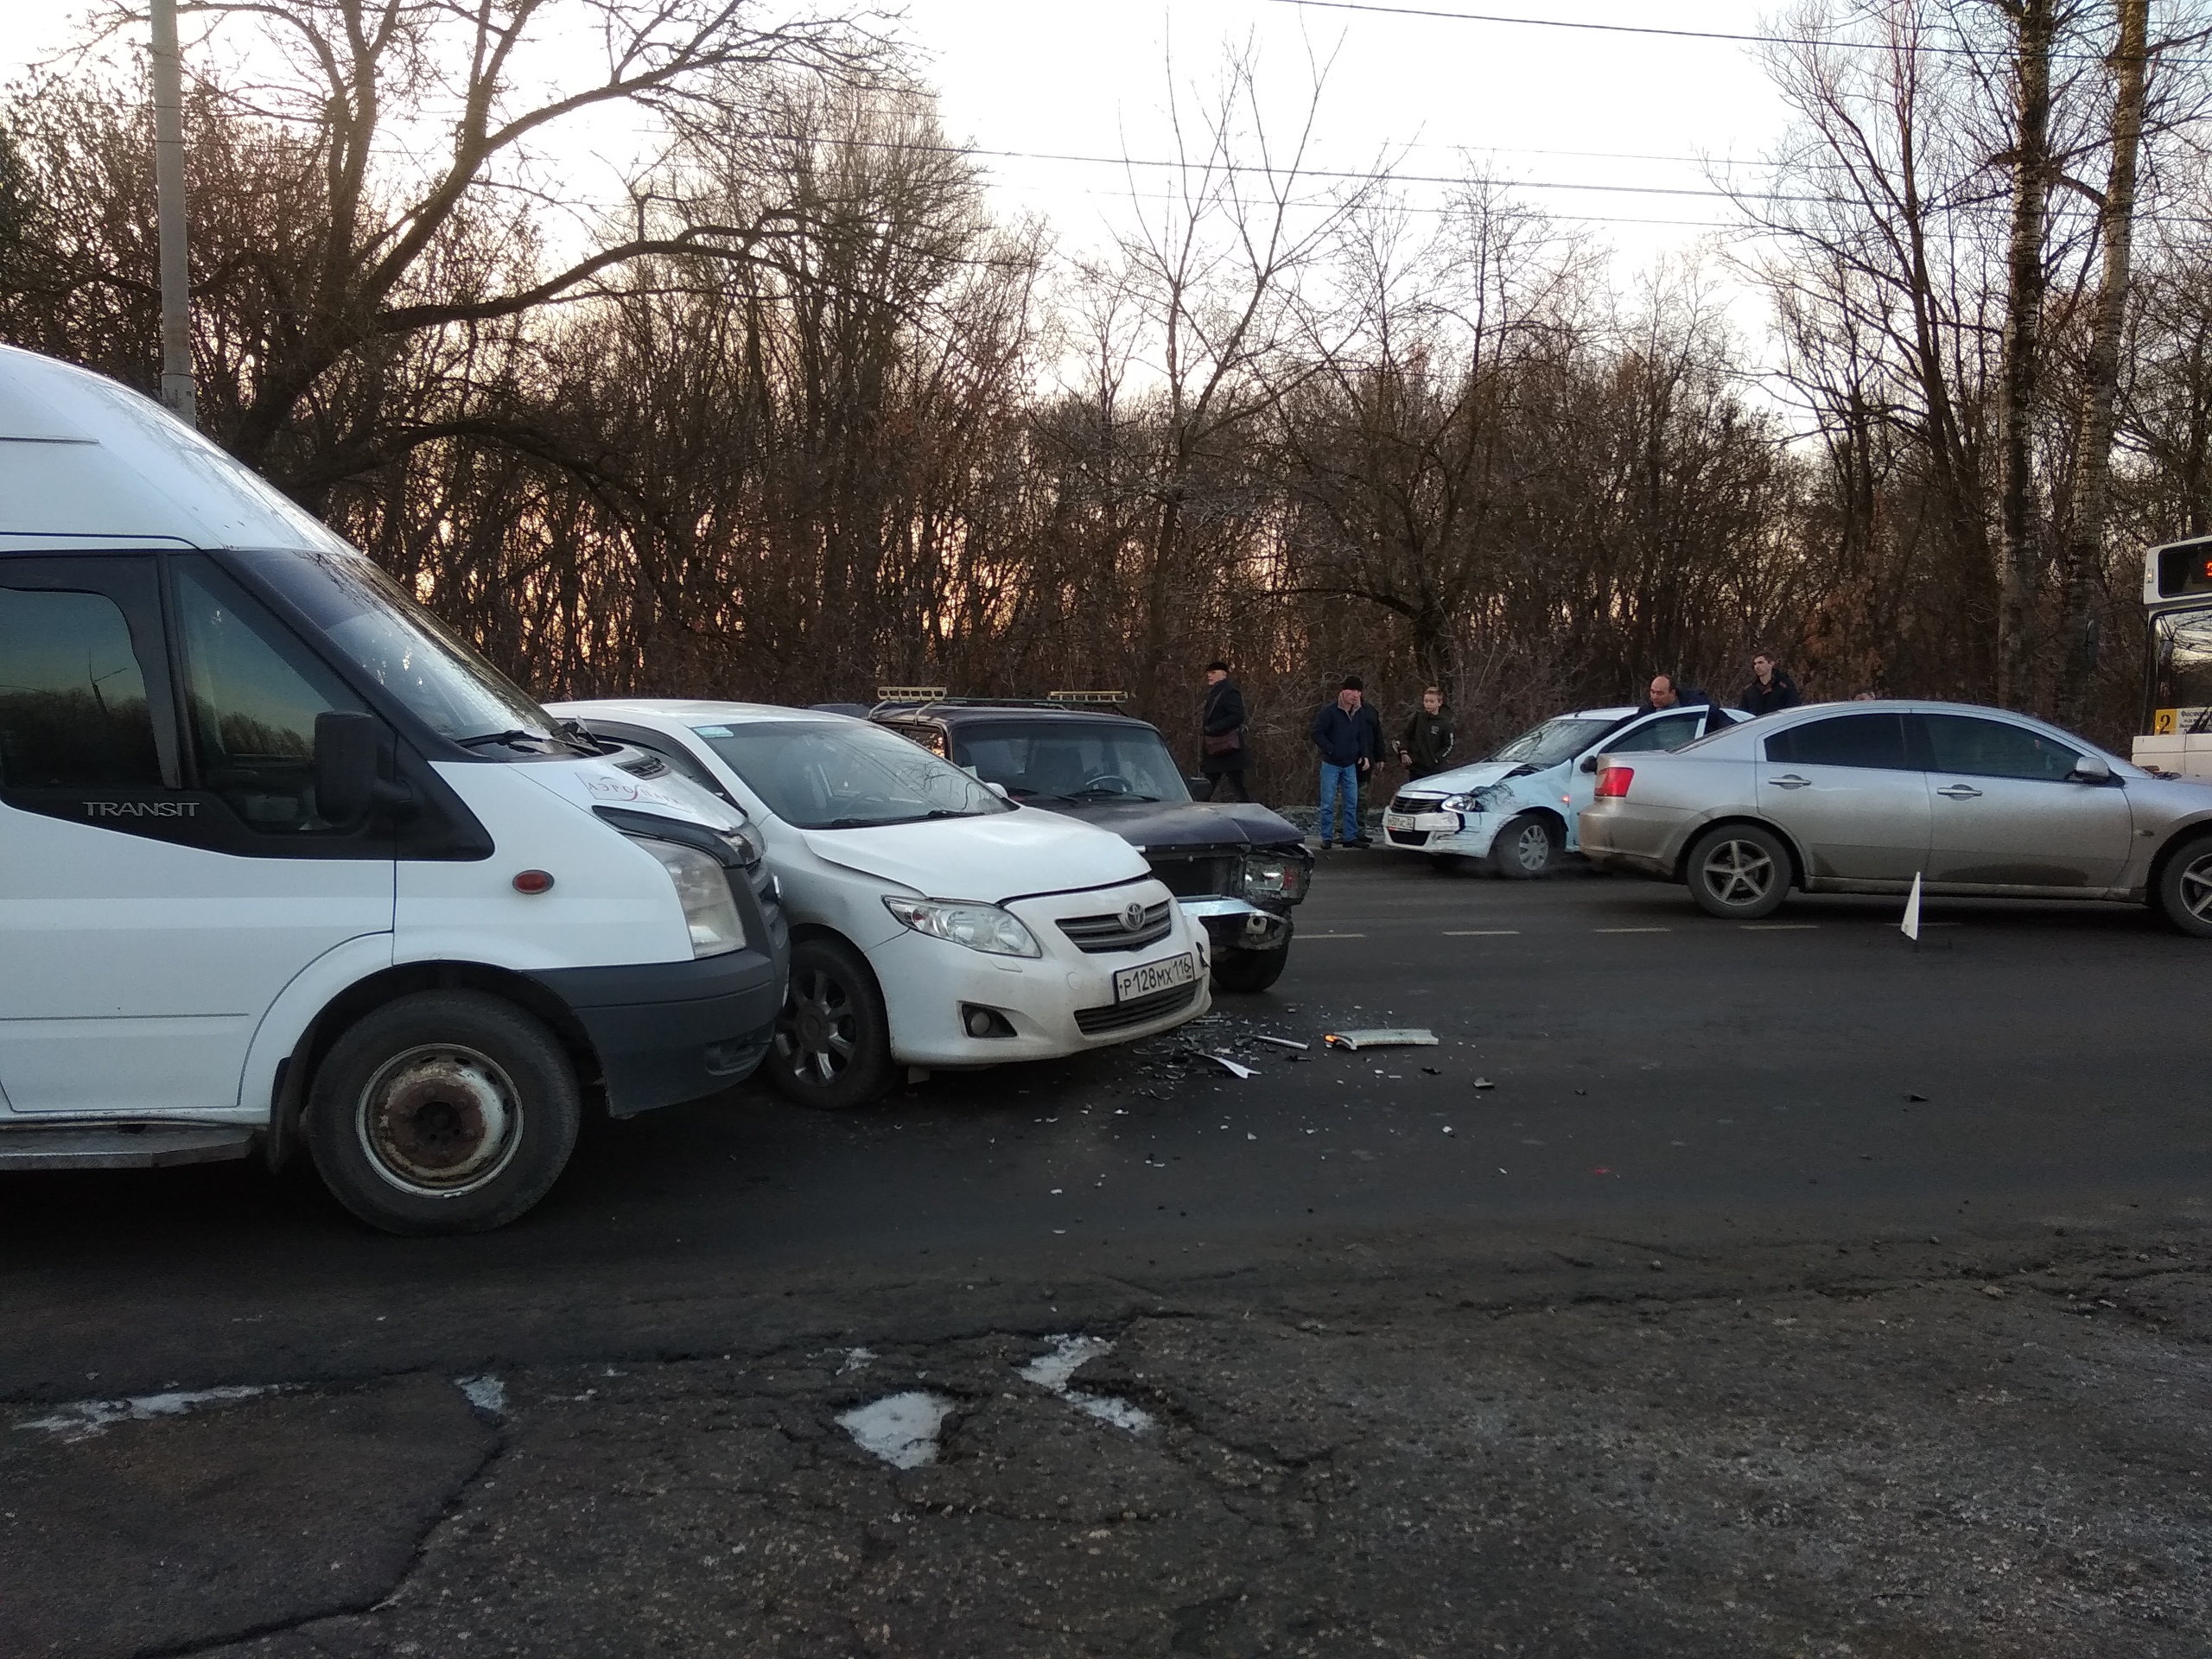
{"x":1349,"y":737}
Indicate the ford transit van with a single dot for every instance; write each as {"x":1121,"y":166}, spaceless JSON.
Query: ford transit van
{"x":283,"y":863}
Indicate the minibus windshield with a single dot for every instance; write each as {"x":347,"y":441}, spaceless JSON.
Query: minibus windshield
{"x":378,"y":628}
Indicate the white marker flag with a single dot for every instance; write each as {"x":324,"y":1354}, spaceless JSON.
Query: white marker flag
{"x":1911,"y":923}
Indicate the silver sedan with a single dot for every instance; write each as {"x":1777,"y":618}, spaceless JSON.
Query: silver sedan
{"x":1863,"y":797}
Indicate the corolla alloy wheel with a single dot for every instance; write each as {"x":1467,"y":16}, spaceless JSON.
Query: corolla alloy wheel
{"x":816,"y":1034}
{"x":833,"y":1040}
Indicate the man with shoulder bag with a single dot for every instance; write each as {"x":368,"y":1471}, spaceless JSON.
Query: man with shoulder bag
{"x":1223,"y":757}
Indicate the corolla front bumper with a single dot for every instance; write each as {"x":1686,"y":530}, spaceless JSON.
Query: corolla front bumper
{"x":1041,"y":1007}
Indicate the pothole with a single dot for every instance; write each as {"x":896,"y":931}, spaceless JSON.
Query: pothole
{"x":1054,"y":1370}
{"x":81,"y":1419}
{"x":900,"y":1428}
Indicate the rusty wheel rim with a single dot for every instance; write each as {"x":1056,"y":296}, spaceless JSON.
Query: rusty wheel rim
{"x":441,"y":1119}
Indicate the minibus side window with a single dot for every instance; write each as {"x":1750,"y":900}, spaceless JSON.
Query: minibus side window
{"x":253,"y":693}
{"x":74,"y":712}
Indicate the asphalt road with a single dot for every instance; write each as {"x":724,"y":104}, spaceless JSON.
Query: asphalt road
{"x":1678,"y":1109}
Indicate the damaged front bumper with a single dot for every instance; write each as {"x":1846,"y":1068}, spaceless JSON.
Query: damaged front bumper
{"x":1238,"y":924}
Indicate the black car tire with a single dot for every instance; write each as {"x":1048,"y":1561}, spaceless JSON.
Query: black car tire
{"x":832,"y":1047}
{"x":2184,"y":891}
{"x":1738,"y":872}
{"x":1527,"y":848}
{"x":443,"y":1112}
{"x":1249,"y":970}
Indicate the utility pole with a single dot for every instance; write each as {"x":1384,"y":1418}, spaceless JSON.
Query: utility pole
{"x":177,"y":391}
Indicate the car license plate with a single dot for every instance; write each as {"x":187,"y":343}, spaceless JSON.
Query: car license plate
{"x":1398,"y":821}
{"x":1149,"y":976}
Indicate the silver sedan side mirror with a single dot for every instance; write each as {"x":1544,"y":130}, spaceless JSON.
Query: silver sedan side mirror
{"x":2091,"y":769}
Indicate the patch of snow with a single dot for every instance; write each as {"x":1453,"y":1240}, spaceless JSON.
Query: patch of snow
{"x":856,"y":1359}
{"x":487,"y":1393}
{"x":81,"y":1419}
{"x":1056,"y":1367}
{"x":900,"y":1428}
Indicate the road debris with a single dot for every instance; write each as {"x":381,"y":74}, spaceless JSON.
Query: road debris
{"x":1278,"y":1042}
{"x":1383,"y":1037}
{"x":487,"y":1393}
{"x":1230,"y":1066}
{"x":1485,"y":1083}
{"x":900,"y":1428}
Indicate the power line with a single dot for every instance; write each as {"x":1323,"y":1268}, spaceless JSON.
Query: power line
{"x":1652,"y":30}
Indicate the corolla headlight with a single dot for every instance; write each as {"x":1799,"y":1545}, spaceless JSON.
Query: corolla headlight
{"x":752,"y":846}
{"x":710,"y":910}
{"x":980,"y":927}
{"x":1273,"y":875}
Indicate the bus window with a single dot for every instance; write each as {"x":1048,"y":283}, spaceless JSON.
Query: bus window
{"x":2180,"y":673}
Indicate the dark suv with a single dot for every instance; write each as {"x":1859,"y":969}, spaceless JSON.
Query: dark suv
{"x":1238,"y":868}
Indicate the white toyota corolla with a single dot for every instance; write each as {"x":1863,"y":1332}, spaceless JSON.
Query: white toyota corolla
{"x":934,"y":923}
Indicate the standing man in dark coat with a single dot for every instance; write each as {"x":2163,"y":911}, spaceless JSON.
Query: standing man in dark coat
{"x":1221,"y":754}
{"x":1348,"y":735}
{"x":1427,"y":740}
{"x":1770,"y":688}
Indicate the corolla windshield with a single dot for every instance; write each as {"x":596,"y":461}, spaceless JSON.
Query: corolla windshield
{"x":1044,"y":762}
{"x":844,"y":774}
{"x":379,"y":627}
{"x":1557,"y":739}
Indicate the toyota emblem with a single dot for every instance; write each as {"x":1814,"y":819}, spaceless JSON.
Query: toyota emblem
{"x":1133,"y":915}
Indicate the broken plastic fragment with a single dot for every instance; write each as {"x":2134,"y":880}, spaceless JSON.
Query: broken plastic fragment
{"x":1383,"y":1037}
{"x":1230,"y":1066}
{"x":1485,"y":1083}
{"x":1279,"y":1042}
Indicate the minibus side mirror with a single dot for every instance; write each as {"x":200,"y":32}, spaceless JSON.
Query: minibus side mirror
{"x":348,"y":748}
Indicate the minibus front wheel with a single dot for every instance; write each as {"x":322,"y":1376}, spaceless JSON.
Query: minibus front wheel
{"x":446,"y":1111}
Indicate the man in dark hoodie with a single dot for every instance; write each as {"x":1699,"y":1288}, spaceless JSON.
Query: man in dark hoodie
{"x":1349,"y":734}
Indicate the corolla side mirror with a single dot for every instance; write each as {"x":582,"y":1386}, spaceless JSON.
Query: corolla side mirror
{"x":2091,"y":769}
{"x":1589,"y":763}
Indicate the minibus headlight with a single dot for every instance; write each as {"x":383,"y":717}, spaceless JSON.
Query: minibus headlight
{"x":709,"y":911}
{"x":980,"y":927}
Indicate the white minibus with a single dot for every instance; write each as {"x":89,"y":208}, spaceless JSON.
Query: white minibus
{"x":285,"y":863}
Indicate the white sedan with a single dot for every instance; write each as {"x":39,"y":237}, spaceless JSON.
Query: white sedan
{"x":934,"y":923}
{"x":1518,"y":810}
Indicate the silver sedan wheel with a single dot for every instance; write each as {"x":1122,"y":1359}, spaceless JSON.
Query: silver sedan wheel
{"x":2185,"y":891}
{"x":1740,"y":871}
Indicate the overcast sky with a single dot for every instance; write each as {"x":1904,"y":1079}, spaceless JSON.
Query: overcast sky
{"x":1595,"y":126}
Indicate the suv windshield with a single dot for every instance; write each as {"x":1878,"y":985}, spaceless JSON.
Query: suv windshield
{"x":380,"y":630}
{"x":1071,"y":760}
{"x":845,"y":774}
{"x":1556,"y":740}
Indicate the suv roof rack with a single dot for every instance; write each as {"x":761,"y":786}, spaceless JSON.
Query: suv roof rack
{"x":916,"y":698}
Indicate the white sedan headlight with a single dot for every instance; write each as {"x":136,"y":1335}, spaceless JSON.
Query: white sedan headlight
{"x":1484,"y":799}
{"x":980,"y":927}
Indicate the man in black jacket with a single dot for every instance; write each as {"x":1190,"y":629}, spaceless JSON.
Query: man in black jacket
{"x":1770,"y":688}
{"x":1427,"y":740}
{"x":1349,"y":734}
{"x":1223,"y":757}
{"x":1667,"y":693}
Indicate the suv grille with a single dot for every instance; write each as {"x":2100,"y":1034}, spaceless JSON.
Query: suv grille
{"x":1094,"y":1022}
{"x":1097,"y":935}
{"x":1200,"y":877}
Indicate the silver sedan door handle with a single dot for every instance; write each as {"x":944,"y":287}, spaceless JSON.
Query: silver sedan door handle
{"x":1790,"y":780}
{"x":1960,"y":793}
